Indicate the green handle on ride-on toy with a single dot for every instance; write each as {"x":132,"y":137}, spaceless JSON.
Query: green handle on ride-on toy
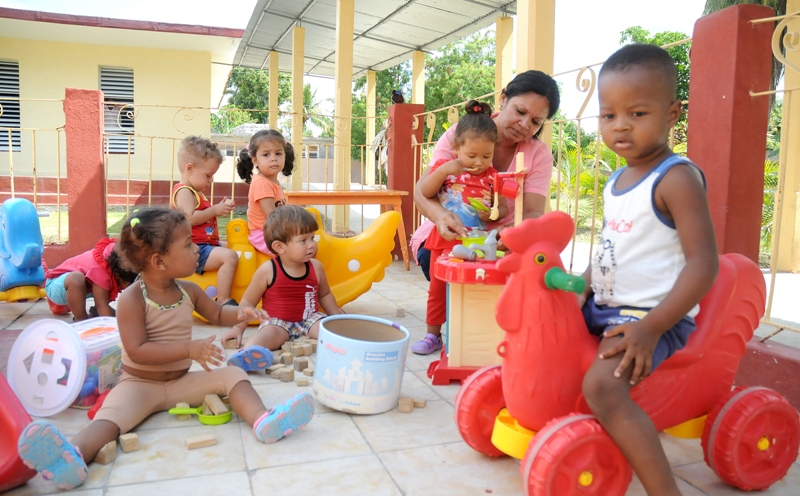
{"x":556,"y":278}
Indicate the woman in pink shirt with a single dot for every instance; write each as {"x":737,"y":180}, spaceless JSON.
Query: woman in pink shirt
{"x":529,"y":99}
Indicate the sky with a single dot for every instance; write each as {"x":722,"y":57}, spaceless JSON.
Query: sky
{"x":587,"y":31}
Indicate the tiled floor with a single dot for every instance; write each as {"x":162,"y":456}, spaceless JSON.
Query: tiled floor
{"x":337,"y":454}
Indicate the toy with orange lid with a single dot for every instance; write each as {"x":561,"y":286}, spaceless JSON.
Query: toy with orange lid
{"x":54,"y":365}
{"x":531,"y":407}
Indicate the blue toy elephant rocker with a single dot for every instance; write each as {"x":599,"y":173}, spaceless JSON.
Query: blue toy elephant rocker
{"x":21,"y":250}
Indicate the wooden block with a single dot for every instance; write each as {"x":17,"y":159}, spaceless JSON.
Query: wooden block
{"x":200,"y":441}
{"x":313,"y":343}
{"x":229,"y":344}
{"x":107,"y":454}
{"x":276,"y":356}
{"x":420,"y":403}
{"x":129,"y":442}
{"x":272,"y":368}
{"x":215,"y":404}
{"x":183,"y":416}
{"x":276,"y":374}
{"x":297,"y":350}
{"x":287,"y":358}
{"x":207,"y":409}
{"x":301,"y":364}
{"x":287,"y":347}
{"x":406,"y":405}
{"x":308,"y":349}
{"x":401,"y":312}
{"x":302,"y":382}
{"x":309,"y":371}
{"x":287,"y":374}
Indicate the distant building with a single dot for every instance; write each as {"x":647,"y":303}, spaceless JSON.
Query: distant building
{"x":159,"y":82}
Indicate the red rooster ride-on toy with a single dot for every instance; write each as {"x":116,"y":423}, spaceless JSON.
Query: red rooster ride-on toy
{"x":531,"y":406}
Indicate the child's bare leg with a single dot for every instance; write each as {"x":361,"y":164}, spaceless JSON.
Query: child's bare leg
{"x":224,"y":261}
{"x":313,"y":331}
{"x":271,"y":425}
{"x":246,"y":402}
{"x":270,"y":337}
{"x":92,"y":439}
{"x":627,"y":424}
{"x":75,"y":285}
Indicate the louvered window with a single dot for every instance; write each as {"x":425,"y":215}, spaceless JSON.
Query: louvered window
{"x":117,"y":87}
{"x":9,"y":109}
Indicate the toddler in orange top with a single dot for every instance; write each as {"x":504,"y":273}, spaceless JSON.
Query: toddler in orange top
{"x":198,"y":160}
{"x":268,"y":155}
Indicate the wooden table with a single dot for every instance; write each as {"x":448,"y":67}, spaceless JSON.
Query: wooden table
{"x":381,"y":197}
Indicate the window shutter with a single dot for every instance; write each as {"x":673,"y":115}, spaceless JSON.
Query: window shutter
{"x":117,"y":87}
{"x":10,"y":118}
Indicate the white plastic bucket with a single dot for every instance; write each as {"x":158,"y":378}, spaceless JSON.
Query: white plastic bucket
{"x":360,"y":362}
{"x":53,"y":364}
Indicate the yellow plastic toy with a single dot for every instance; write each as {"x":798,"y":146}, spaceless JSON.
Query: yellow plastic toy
{"x":351,"y":264}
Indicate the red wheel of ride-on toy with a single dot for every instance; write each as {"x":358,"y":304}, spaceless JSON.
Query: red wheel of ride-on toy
{"x":751,"y":437}
{"x":574,"y":455}
{"x":478,"y":402}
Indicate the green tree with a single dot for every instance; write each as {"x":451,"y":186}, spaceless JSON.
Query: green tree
{"x":461,"y":70}
{"x":248,"y":90}
{"x":313,"y":113}
{"x":393,"y":78}
{"x":779,"y":6}
{"x":774,"y":127}
{"x":227,"y":118}
{"x":680,"y":53}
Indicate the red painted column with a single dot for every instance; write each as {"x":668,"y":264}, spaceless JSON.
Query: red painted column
{"x":727,"y":127}
{"x":401,"y":158}
{"x":83,"y":112}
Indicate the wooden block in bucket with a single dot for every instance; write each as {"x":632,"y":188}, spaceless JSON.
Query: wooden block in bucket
{"x":215,"y":404}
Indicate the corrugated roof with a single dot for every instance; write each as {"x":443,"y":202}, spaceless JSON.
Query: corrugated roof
{"x":386,"y":31}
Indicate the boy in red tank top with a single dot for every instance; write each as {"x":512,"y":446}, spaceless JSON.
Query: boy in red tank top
{"x":296,"y":284}
{"x":198,"y":160}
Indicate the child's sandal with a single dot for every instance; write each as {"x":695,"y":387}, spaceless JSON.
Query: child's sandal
{"x":43,"y":448}
{"x":290,"y":416}
{"x":251,"y":358}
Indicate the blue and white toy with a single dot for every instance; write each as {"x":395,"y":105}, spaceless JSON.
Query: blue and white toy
{"x":21,"y":250}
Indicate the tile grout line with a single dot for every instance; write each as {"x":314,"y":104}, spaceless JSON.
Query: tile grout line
{"x":376,"y":454}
